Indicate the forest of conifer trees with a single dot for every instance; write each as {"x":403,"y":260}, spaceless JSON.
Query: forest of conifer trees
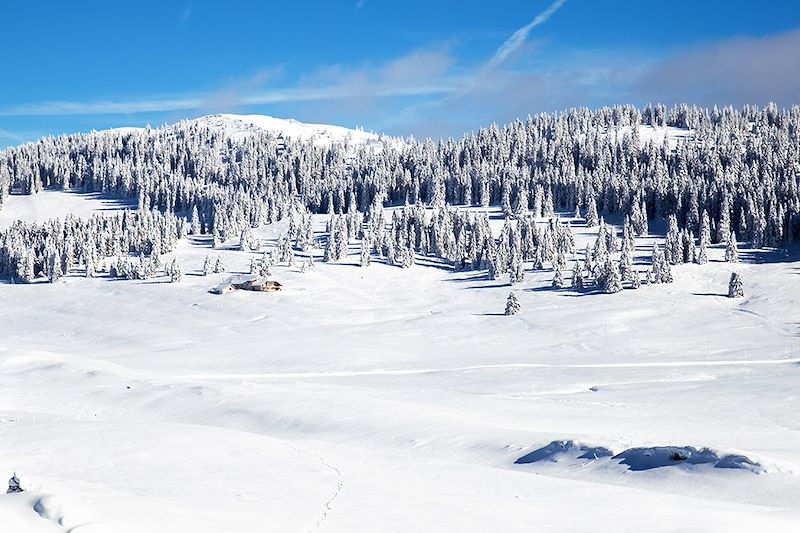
{"x":734,"y":176}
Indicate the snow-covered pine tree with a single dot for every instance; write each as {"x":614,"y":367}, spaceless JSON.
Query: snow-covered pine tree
{"x":330,"y":249}
{"x":27,"y":273}
{"x":588,"y":258}
{"x":592,"y":219}
{"x":665,"y":271}
{"x":577,"y":276}
{"x":656,"y":262}
{"x":636,"y":281}
{"x":731,"y":250}
{"x":195,"y":228}
{"x":207,"y":265}
{"x":90,"y":268}
{"x":626,"y":264}
{"x":512,"y":304}
{"x":538,"y":260}
{"x":365,"y":248}
{"x":219,"y":266}
{"x":175,"y":271}
{"x":705,"y":239}
{"x":612,"y":282}
{"x":558,"y":279}
{"x":672,"y":242}
{"x":408,"y":258}
{"x":735,"y":288}
{"x":516,"y":271}
{"x":55,"y":269}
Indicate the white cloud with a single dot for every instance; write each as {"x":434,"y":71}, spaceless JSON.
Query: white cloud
{"x":737,"y":71}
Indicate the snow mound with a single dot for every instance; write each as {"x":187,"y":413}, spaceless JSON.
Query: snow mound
{"x":639,"y":459}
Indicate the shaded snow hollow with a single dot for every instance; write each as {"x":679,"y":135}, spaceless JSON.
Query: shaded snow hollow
{"x":638,"y":459}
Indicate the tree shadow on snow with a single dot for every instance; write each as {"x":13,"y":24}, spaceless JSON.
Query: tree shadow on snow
{"x":476,"y":276}
{"x":761,"y":256}
{"x":493,"y":286}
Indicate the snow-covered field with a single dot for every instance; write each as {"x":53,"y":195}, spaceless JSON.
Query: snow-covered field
{"x":396,"y":400}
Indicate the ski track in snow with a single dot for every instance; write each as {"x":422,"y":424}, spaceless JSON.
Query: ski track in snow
{"x":409,"y":372}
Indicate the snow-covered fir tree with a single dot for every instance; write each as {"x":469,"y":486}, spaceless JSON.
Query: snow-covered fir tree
{"x":219,"y":266}
{"x":731,"y":250}
{"x":512,"y":304}
{"x":612,"y":281}
{"x":735,"y":287}
{"x":577,"y":276}
{"x":558,"y":279}
{"x":175,"y":271}
{"x":365,"y":251}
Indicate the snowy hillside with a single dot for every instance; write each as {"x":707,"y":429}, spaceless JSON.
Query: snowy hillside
{"x":359,"y":393}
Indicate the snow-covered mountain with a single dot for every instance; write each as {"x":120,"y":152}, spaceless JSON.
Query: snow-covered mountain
{"x":240,"y":126}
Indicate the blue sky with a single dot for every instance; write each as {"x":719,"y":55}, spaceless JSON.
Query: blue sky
{"x":425,"y":68}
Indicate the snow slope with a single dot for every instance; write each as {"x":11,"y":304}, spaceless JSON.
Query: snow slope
{"x":50,"y":204}
{"x":384,"y":399}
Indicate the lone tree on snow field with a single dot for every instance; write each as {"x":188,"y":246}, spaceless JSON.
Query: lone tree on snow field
{"x":512,"y":304}
{"x":735,"y":289}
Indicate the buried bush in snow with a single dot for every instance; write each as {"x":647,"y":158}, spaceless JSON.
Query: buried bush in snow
{"x":17,"y":483}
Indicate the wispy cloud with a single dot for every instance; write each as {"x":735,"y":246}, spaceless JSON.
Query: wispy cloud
{"x":359,"y":4}
{"x":519,"y":37}
{"x":488,"y":83}
{"x":186,"y":14}
{"x":398,"y":77}
{"x":9,"y":136}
